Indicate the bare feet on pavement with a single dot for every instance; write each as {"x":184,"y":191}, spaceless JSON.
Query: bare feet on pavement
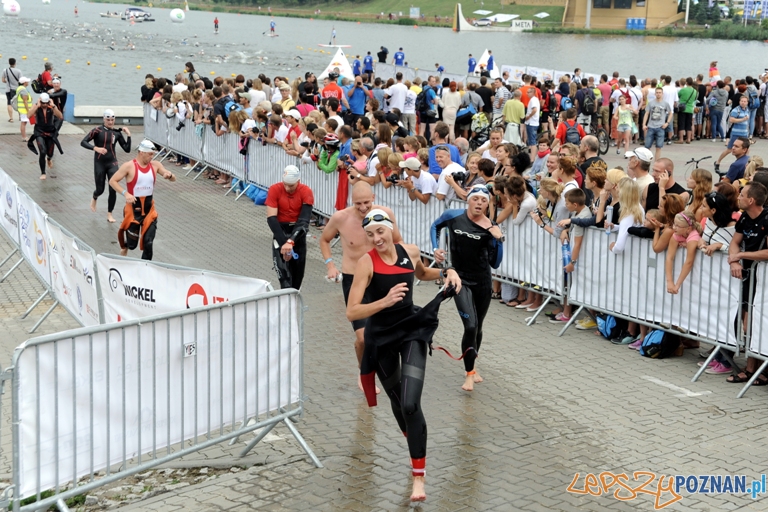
{"x":110,"y":218}
{"x":418,"y":493}
{"x":93,"y":205}
{"x":469,"y":383}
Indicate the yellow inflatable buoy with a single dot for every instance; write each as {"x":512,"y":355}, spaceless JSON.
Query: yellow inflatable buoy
{"x":45,"y":58}
{"x":67,"y":61}
{"x":23,"y":57}
{"x":89,"y":63}
{"x":114,"y":65}
{"x":213,"y":72}
{"x":233,"y":75}
{"x":159,"y":69}
{"x":138,"y":67}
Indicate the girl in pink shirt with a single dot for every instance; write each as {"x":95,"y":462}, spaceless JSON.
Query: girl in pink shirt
{"x":687,"y":233}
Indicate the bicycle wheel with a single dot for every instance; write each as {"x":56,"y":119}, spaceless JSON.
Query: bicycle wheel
{"x":603,"y":142}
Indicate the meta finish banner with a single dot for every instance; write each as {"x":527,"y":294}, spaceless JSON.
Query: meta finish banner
{"x":134,"y":289}
{"x":9,"y":215}
{"x":32,"y":239}
{"x":73,"y":277}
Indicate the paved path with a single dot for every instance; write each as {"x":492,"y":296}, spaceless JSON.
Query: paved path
{"x":550,"y":407}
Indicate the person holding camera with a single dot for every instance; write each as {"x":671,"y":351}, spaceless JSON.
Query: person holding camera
{"x":103,"y":140}
{"x":357,"y":96}
{"x":420,"y":184}
{"x":398,"y":334}
{"x":44,"y":134}
{"x":476,"y":246}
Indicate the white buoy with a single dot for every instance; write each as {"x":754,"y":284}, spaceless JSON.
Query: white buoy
{"x":11,"y":8}
{"x":177,"y":16}
{"x":46,"y":1}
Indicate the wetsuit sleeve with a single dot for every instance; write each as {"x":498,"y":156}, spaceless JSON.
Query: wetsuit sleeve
{"x":584,"y":223}
{"x":61,"y":94}
{"x":495,"y":252}
{"x":302,"y":224}
{"x":86,"y":142}
{"x":277,"y":231}
{"x":124,"y":143}
{"x":440,"y":223}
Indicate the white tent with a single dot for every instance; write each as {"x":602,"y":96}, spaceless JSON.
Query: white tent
{"x":541,"y":15}
{"x":503,"y":18}
{"x":482,"y":12}
{"x":339,"y":61}
{"x":483,"y":62}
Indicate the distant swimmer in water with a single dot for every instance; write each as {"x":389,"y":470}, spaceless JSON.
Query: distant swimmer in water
{"x":75,"y":11}
{"x":216,"y":24}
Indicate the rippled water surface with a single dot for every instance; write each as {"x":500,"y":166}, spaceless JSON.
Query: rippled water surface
{"x":52,"y":31}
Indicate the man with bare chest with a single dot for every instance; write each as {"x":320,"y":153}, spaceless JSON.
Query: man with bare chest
{"x":348,"y":224}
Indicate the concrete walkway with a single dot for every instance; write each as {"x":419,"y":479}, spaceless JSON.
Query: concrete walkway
{"x":550,"y":407}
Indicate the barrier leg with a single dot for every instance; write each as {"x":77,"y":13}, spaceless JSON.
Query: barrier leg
{"x":304,"y":444}
{"x":42,"y":319}
{"x":166,"y":155}
{"x":752,"y":379}
{"x":232,"y":187}
{"x":266,"y":430}
{"x":571,"y":321}
{"x":61,"y":505}
{"x":11,"y":270}
{"x":193,"y":168}
{"x":536,"y":313}
{"x":243,"y":191}
{"x":15,"y":250}
{"x":335,"y":241}
{"x":34,"y":305}
{"x":200,"y":173}
{"x":706,"y":363}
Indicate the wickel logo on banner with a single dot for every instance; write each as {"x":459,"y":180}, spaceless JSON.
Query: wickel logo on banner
{"x":133,"y":292}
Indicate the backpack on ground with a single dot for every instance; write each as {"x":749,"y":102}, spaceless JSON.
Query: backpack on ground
{"x":754,"y":100}
{"x":572,"y":134}
{"x":589,"y":104}
{"x":611,"y":327}
{"x":659,"y":344}
{"x":565,"y":103}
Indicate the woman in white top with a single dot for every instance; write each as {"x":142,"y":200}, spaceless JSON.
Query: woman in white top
{"x":520,"y":203}
{"x":632,"y":213}
{"x":451,"y":103}
{"x":719,"y":227}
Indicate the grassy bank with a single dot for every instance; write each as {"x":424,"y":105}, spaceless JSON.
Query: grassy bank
{"x":725,"y":30}
{"x":364,"y":12}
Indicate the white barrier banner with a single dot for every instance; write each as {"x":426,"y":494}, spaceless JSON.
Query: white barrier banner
{"x":134,"y":289}
{"x":758,"y":343}
{"x":634,"y":284}
{"x":32,"y":237}
{"x":127,"y":390}
{"x":9,"y":214}
{"x":73,"y":277}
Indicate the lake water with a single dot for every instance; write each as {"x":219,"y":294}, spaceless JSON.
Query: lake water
{"x":52,"y":31}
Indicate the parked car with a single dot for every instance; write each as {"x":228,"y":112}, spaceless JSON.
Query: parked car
{"x":485,"y":22}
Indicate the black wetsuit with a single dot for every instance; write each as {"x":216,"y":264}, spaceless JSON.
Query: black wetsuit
{"x":59,"y":98}
{"x":397,"y":340}
{"x":473,"y":252}
{"x":105,"y":166}
{"x":44,"y":136}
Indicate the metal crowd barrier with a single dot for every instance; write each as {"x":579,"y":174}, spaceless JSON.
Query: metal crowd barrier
{"x":757,"y":327}
{"x":107,"y":402}
{"x":414,"y":218}
{"x":155,"y":125}
{"x":185,"y":141}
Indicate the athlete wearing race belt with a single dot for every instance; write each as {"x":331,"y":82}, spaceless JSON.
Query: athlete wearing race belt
{"x":289,"y":206}
{"x":103,"y":140}
{"x":476,"y":246}
{"x":397,"y":333}
{"x":140,"y":217}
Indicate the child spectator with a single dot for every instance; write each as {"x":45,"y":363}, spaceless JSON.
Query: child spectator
{"x":631,"y":213}
{"x":719,"y":227}
{"x":700,"y":184}
{"x":671,"y":205}
{"x":687,"y":234}
{"x":575,"y":203}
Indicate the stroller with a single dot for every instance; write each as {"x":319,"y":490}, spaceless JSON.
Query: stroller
{"x":481,"y":131}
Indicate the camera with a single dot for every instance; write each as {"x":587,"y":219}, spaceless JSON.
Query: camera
{"x":313,"y":157}
{"x":180,"y":126}
{"x":304,"y":145}
{"x":254,"y":130}
{"x":393,"y":178}
{"x":459,"y":176}
{"x":344,"y":159}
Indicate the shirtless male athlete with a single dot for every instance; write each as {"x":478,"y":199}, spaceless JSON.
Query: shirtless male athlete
{"x":347,"y":223}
